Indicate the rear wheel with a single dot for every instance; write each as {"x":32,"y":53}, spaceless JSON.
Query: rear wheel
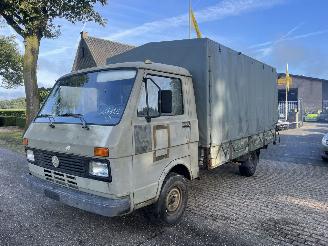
{"x":248,"y":167}
{"x":172,"y":201}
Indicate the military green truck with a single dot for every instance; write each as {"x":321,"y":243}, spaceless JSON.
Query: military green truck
{"x":130,"y":134}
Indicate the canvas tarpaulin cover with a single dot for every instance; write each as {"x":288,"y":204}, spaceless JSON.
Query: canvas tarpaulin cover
{"x":236,"y":96}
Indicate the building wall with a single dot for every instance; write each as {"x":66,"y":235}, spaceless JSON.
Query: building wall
{"x":83,"y":58}
{"x":325,"y":91}
{"x":310,"y":91}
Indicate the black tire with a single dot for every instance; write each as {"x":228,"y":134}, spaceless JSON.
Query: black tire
{"x":248,"y":167}
{"x":167,"y":210}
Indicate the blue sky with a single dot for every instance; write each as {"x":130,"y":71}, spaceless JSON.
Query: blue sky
{"x":273,"y":31}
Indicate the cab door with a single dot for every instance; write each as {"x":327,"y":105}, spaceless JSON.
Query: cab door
{"x":161,"y":131}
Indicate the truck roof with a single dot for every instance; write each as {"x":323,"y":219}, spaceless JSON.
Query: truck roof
{"x":145,"y":65}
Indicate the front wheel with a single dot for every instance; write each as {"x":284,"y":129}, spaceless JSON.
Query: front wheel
{"x":172,"y":201}
{"x":248,"y":167}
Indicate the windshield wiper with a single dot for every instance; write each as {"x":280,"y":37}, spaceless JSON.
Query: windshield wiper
{"x":50,"y":117}
{"x":80,"y":116}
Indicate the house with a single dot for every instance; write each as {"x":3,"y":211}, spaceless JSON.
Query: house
{"x":313,"y":92}
{"x":93,"y":52}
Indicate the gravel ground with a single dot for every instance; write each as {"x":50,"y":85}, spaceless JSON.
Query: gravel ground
{"x":284,"y":203}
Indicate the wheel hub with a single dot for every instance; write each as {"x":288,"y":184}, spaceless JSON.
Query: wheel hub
{"x":173,"y":200}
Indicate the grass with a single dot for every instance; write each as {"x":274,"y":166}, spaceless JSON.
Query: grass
{"x":12,"y":110}
{"x":11,"y":138}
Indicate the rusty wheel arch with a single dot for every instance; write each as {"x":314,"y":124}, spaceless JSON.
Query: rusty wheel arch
{"x":182,"y":170}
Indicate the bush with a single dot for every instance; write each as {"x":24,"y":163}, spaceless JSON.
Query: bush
{"x":20,"y":122}
{"x":7,"y":121}
{"x":12,"y":112}
{"x":12,"y":121}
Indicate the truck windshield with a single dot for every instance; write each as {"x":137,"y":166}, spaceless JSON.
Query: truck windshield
{"x":99,"y":97}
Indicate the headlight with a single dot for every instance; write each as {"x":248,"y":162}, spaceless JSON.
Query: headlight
{"x":98,"y":169}
{"x":29,"y":155}
{"x":325,"y":139}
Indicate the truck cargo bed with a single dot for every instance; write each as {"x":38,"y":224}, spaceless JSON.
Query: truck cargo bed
{"x":236,"y":96}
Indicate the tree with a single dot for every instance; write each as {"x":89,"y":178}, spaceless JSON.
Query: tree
{"x":11,"y":63}
{"x":34,"y":20}
{"x":43,"y":94}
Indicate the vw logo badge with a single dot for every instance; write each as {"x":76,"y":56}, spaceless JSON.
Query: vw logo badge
{"x":55,"y":161}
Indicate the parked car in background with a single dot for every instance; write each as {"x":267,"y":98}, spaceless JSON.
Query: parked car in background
{"x":324,"y":142}
{"x":311,"y":117}
{"x":323,"y":116}
{"x":282,"y":125}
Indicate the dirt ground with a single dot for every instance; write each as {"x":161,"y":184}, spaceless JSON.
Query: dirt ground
{"x":284,"y":203}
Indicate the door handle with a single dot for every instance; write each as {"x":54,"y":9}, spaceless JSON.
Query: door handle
{"x":186,"y":124}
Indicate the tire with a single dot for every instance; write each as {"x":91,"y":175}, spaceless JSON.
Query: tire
{"x":172,"y":201}
{"x":248,"y":167}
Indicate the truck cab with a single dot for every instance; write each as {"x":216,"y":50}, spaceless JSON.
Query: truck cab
{"x":113,"y":139}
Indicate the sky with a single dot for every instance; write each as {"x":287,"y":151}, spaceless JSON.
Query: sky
{"x":273,"y":31}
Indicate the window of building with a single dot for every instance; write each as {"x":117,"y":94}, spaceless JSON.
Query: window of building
{"x":82,"y":52}
{"x":292,"y":94}
{"x":154,"y":85}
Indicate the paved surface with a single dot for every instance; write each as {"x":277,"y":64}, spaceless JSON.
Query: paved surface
{"x":286,"y":202}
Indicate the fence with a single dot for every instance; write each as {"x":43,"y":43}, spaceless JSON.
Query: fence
{"x":291,"y":106}
{"x":324,"y":105}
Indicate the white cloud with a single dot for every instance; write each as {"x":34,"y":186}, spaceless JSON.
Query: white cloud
{"x":54,"y":51}
{"x":221,"y":10}
{"x":282,"y":38}
{"x":12,"y":93}
{"x":266,"y":48}
{"x":309,"y":34}
{"x":47,"y":78}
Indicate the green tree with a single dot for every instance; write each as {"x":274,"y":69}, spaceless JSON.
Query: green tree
{"x":34,"y":20}
{"x":11,"y":63}
{"x":43,"y":94}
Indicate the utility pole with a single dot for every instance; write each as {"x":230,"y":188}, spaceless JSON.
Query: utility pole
{"x":286,"y":103}
{"x":189,"y":19}
{"x":287,"y":88}
{"x":287,"y":81}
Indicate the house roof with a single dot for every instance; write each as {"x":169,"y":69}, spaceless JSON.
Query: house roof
{"x":102,"y":49}
{"x":302,"y":77}
{"x":93,"y":52}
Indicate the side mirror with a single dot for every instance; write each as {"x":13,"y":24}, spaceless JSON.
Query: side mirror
{"x":148,"y":118}
{"x":166,"y":101}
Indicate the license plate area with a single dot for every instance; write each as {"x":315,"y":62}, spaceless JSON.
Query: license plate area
{"x":51,"y":194}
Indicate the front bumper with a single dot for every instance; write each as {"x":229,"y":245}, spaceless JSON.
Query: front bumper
{"x":324,"y":151}
{"x":82,"y":200}
{"x":324,"y":154}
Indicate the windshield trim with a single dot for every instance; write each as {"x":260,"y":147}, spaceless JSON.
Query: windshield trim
{"x":88,"y":72}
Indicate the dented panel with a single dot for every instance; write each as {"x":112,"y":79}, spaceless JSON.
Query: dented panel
{"x":161,"y":135}
{"x":142,"y":139}
{"x":233,"y":150}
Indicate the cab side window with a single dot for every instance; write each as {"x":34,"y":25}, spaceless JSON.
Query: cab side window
{"x":152,"y":89}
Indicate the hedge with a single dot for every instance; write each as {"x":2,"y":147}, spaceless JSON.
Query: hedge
{"x":12,"y":121}
{"x":20,"y":122}
{"x":8,"y":121}
{"x":13,"y":112}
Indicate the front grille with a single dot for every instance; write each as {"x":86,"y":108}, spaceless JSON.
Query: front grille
{"x":70,"y":164}
{"x":60,"y":178}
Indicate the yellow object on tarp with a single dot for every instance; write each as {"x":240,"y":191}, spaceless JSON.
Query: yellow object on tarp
{"x":195,"y":24}
{"x":287,"y":80}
